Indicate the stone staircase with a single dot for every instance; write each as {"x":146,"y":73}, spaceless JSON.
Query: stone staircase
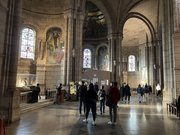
{"x":26,"y":107}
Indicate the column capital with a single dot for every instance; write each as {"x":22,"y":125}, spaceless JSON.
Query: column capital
{"x":70,"y":13}
{"x":115,"y":36}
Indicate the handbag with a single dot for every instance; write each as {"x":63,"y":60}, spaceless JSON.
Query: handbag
{"x":109,"y":101}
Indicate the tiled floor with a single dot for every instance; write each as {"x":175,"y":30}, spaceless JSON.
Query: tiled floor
{"x":147,"y":118}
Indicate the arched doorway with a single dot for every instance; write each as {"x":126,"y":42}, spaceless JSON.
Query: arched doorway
{"x":139,"y":51}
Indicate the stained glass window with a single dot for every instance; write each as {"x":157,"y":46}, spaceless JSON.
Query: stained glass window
{"x":27,"y":43}
{"x":87,"y":58}
{"x":131,"y":63}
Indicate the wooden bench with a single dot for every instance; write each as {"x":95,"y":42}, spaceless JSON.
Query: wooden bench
{"x":172,"y":107}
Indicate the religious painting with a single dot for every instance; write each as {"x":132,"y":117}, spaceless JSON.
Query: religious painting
{"x":103,"y":58}
{"x":55,"y":46}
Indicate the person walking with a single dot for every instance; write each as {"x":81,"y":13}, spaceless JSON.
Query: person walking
{"x":146,"y":92}
{"x":91,"y":99}
{"x":127,"y":93}
{"x":114,"y":95}
{"x":102,"y":96}
{"x":158,"y":89}
{"x":96,"y":87}
{"x":122,"y":91}
{"x":140,"y":93}
{"x":82,"y":92}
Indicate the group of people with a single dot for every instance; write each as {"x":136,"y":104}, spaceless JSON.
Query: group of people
{"x":143,"y":92}
{"x":125,"y":91}
{"x":88,"y":97}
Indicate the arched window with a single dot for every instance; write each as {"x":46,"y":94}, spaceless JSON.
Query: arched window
{"x":131,"y":63}
{"x":27,"y":43}
{"x":87,"y":58}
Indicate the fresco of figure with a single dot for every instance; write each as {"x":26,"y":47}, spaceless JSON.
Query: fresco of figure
{"x":54,"y":46}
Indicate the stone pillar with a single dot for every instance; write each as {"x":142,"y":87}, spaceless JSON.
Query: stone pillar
{"x":110,"y":53}
{"x":11,"y":97}
{"x":40,"y":65}
{"x":116,"y":56}
{"x":65,"y":50}
{"x":167,"y":48}
{"x":78,"y":47}
{"x":176,"y":14}
{"x":95,"y":61}
{"x":69,"y":50}
{"x":176,"y":41}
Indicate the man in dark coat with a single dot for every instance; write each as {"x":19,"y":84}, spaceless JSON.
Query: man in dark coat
{"x":114,"y":93}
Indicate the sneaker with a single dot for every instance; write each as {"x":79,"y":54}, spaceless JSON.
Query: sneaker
{"x":93,"y":123}
{"x":85,"y":120}
{"x":110,"y":123}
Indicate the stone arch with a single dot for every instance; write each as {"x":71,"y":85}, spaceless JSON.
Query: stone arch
{"x":142,"y":18}
{"x":32,"y":26}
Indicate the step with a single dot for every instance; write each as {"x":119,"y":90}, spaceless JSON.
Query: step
{"x":26,"y":107}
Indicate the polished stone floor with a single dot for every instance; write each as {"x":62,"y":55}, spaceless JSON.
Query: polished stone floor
{"x":147,"y":118}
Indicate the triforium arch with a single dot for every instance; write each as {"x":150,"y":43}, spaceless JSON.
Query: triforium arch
{"x":150,"y":48}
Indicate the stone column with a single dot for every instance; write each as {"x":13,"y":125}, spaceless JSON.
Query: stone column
{"x":69,"y":50}
{"x":11,"y":96}
{"x":95,"y":60}
{"x":116,"y":56}
{"x":176,"y":14}
{"x":110,"y":53}
{"x":78,"y":47}
{"x":176,"y":41}
{"x":40,"y":65}
{"x":168,"y":73}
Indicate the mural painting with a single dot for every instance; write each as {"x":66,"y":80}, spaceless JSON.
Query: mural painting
{"x":55,"y":46}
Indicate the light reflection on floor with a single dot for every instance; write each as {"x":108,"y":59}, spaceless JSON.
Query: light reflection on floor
{"x":147,"y":118}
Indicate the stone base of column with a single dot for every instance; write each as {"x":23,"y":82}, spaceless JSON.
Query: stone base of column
{"x":167,"y":97}
{"x":15,"y":106}
{"x":10,"y":106}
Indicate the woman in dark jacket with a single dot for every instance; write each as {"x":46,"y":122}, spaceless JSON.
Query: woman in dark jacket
{"x":91,"y":98}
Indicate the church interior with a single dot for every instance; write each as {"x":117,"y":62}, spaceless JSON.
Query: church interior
{"x":99,"y":41}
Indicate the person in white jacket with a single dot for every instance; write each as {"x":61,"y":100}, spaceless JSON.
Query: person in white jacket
{"x":158,"y":89}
